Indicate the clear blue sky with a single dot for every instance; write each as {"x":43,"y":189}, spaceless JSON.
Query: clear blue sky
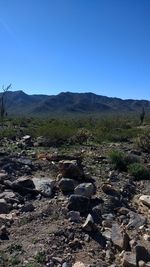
{"x":100,"y":46}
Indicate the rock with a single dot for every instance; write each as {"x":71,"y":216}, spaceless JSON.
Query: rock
{"x":66,"y":185}
{"x":23,"y":182}
{"x":108,"y":220}
{"x":44,"y":186}
{"x":141,"y":264}
{"x":123,"y":211}
{"x":26,"y":138}
{"x":136,"y":220}
{"x":4,"y":233}
{"x":79,"y":264}
{"x":74,"y":216}
{"x":129,"y":260}
{"x":146,"y":237}
{"x":28,"y":207}
{"x":3,"y":175}
{"x":108,"y":189}
{"x":145,"y":199}
{"x":76,"y":243}
{"x":110,"y":204}
{"x":66,"y":264}
{"x":4,"y":218}
{"x":9,"y":196}
{"x":96,"y":214}
{"x":107,"y":234}
{"x":119,"y":238}
{"x":89,"y":225}
{"x":4,"y":207}
{"x":85,"y":189}
{"x":71,"y":169}
{"x":142,"y":253}
{"x":78,"y":203}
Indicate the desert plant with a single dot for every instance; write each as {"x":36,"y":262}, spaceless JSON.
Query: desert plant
{"x":138,"y":171}
{"x":142,"y":116}
{"x":40,"y":257}
{"x":118,"y":160}
{"x":143,"y":141}
{"x":2,"y":104}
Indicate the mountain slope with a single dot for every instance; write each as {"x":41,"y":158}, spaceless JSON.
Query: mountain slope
{"x":19,"y":103}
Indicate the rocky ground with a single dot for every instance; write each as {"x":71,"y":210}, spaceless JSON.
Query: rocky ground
{"x":69,"y":207}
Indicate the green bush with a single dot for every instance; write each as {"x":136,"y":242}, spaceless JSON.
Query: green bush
{"x":139,"y":171}
{"x":118,"y":160}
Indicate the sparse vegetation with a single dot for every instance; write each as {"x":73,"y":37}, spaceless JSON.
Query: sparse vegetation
{"x":40,"y":257}
{"x":118,"y":160}
{"x":143,"y":141}
{"x":139,"y":172}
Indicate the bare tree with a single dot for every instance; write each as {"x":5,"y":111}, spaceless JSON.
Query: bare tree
{"x":3,"y":112}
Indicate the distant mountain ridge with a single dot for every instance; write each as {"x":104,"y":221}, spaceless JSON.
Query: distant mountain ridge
{"x":19,"y":103}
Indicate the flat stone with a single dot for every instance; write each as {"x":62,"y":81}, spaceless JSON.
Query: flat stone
{"x":129,"y":260}
{"x":136,"y":220}
{"x":145,"y":199}
{"x":24,"y":182}
{"x":79,"y":264}
{"x":119,"y":238}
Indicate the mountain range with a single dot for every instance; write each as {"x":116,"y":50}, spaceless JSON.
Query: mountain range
{"x":19,"y":103}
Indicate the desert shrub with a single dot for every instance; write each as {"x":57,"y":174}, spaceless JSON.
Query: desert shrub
{"x":121,"y":161}
{"x":82,"y":136}
{"x":115,"y":129}
{"x":138,"y":171}
{"x":40,"y":257}
{"x":118,"y":160}
{"x":143,"y":141}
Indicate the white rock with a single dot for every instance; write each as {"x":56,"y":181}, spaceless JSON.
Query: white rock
{"x":145,"y":199}
{"x":44,"y":185}
{"x":79,"y":264}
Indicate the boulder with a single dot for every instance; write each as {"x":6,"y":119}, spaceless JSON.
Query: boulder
{"x":44,"y":186}
{"x":85,"y":189}
{"x":71,"y":169}
{"x":78,"y":203}
{"x":66,"y":185}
